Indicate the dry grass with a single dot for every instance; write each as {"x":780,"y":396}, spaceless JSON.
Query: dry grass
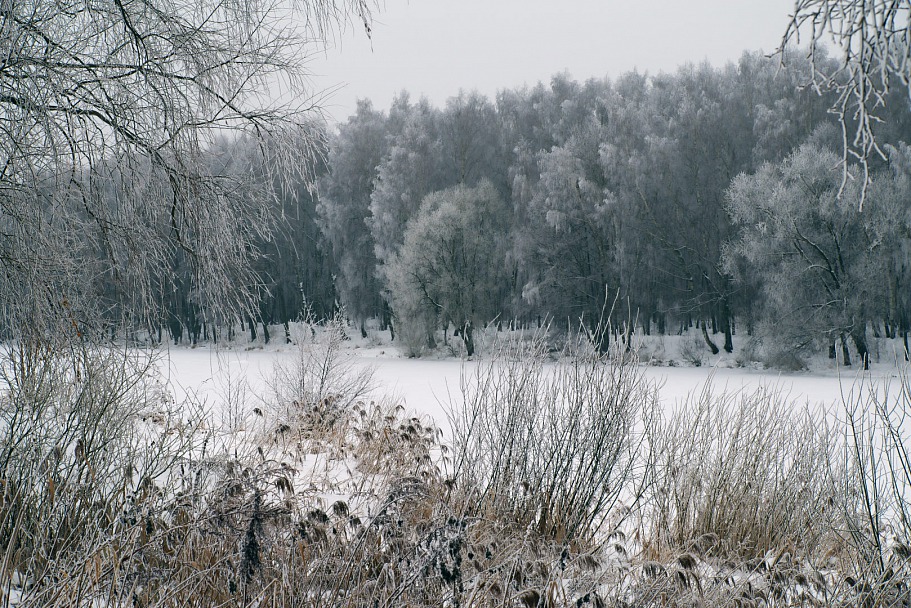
{"x":743,"y":475}
{"x":562,"y":488}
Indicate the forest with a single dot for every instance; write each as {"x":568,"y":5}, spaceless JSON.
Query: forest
{"x":714,"y":199}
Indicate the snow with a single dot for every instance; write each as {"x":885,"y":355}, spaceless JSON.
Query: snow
{"x":429,"y":386}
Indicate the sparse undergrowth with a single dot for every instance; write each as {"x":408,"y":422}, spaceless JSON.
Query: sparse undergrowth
{"x":562,"y":486}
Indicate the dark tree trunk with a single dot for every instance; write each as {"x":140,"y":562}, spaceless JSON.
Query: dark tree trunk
{"x":266,"y":335}
{"x":727,"y":325}
{"x":905,"y":342}
{"x":468,"y":337}
{"x":832,"y":351}
{"x":287,"y":333}
{"x":705,"y":334}
{"x":363,"y":329}
{"x":387,"y":321}
{"x":845,"y":353}
{"x":860,"y":341}
{"x":252,"y":326}
{"x":176,"y":330}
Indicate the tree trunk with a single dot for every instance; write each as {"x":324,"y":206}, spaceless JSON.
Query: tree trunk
{"x":905,"y":342}
{"x":252,"y":326}
{"x":363,"y":329}
{"x":845,"y":353}
{"x":727,"y":324}
{"x":176,"y":331}
{"x":387,"y":321}
{"x":860,"y":341}
{"x":468,"y":336}
{"x":266,"y":335}
{"x":705,"y":334}
{"x":287,"y":333}
{"x":728,"y":337}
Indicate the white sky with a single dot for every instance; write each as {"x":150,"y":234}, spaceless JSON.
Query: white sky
{"x":436,"y":47}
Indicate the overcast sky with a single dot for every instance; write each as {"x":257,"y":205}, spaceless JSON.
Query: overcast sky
{"x":436,"y":47}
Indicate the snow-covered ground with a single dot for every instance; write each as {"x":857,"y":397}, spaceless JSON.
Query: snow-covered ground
{"x":429,"y":386}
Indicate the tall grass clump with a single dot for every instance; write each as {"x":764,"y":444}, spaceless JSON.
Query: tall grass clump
{"x":742,"y":475}
{"x":553,"y":447}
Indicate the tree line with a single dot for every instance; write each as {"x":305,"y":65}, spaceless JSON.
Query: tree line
{"x":711,"y":199}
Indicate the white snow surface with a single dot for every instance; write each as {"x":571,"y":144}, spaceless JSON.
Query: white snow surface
{"x":430,"y":387}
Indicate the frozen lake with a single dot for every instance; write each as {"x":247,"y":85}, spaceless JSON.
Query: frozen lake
{"x":426,"y":386}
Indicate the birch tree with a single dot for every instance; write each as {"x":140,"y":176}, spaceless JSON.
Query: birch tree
{"x":872,"y":42}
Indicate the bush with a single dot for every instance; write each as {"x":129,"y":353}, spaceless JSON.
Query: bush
{"x":87,"y":439}
{"x":876,"y":494}
{"x":320,"y":385}
{"x":750,"y":470}
{"x":552,"y":447}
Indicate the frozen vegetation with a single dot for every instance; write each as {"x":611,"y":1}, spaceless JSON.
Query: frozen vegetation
{"x":525,"y":477}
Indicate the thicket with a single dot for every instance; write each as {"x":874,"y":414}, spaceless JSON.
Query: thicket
{"x":561,"y":483}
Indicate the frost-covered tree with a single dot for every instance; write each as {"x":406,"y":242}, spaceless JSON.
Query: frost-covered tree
{"x":471,"y":143}
{"x":873,"y":42}
{"x":344,"y":209}
{"x":106,"y":111}
{"x":410,"y":170}
{"x":449,"y":269}
{"x":573,"y":247}
{"x":809,"y":248}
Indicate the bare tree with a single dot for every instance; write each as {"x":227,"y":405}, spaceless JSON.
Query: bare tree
{"x":874,"y":42}
{"x":106,"y":113}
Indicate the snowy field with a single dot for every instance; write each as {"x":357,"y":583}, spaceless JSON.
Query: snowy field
{"x":429,"y":386}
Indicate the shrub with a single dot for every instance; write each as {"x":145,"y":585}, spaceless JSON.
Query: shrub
{"x":87,"y":437}
{"x":552,"y":447}
{"x":748,"y":469}
{"x":320,"y":385}
{"x":876,"y":492}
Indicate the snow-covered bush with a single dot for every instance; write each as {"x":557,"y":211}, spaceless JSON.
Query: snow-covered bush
{"x":321,"y":383}
{"x":750,"y":470}
{"x":554,"y":447}
{"x":88,"y":442}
